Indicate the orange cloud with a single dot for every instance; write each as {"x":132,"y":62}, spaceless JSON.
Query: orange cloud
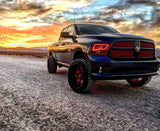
{"x":34,"y":37}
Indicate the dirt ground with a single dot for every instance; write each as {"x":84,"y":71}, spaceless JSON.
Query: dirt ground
{"x":31,"y":99}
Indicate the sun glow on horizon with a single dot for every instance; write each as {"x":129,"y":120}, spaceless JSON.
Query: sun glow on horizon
{"x":39,"y":36}
{"x":158,"y":46}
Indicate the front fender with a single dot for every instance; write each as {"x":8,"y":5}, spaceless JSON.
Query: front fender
{"x":51,"y":50}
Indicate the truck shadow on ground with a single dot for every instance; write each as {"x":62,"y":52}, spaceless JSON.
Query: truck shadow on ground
{"x":109,"y":86}
{"x":144,"y":99}
{"x":114,"y":87}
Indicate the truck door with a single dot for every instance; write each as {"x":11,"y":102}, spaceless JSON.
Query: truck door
{"x":64,"y":48}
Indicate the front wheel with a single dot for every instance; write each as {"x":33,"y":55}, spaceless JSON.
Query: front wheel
{"x":138,"y":81}
{"x":79,"y":76}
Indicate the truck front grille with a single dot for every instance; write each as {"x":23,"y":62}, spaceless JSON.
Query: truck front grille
{"x":135,"y":50}
{"x":122,"y":53}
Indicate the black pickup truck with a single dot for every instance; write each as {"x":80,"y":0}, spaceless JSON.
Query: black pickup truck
{"x":96,"y":52}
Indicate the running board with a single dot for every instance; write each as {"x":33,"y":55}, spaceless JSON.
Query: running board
{"x":62,"y":64}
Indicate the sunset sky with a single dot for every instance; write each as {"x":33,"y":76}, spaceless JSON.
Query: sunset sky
{"x":36,"y":23}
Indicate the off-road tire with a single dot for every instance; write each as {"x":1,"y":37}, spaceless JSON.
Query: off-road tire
{"x":52,"y":65}
{"x":140,"y":83}
{"x":87,"y":84}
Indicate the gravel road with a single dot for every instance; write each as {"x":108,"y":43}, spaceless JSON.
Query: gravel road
{"x":31,"y":99}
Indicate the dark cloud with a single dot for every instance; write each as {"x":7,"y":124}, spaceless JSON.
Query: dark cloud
{"x":42,"y":11}
{"x":27,"y":6}
{"x":126,"y":10}
{"x":116,"y":13}
{"x":20,"y":5}
{"x":146,"y":2}
{"x":4,"y":5}
{"x":34,"y":6}
{"x":2,"y":9}
{"x":37,"y":7}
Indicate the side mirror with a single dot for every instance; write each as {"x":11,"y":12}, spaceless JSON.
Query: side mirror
{"x":65,"y":34}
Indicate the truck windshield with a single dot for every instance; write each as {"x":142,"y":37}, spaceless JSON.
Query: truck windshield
{"x":94,"y":29}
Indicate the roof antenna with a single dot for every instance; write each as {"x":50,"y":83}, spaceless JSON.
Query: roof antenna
{"x":74,"y":16}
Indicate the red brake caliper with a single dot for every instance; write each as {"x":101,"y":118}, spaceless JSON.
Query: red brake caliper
{"x":79,"y":76}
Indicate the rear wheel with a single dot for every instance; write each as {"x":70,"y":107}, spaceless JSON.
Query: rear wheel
{"x":79,"y":76}
{"x":138,"y":81}
{"x":52,"y":65}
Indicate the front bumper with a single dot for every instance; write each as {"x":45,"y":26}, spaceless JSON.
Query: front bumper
{"x":103,"y":67}
{"x":97,"y":76}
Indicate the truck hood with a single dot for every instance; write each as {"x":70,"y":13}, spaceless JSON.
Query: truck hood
{"x":105,"y":36}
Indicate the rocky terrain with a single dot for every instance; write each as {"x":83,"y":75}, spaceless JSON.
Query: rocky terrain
{"x":31,"y":99}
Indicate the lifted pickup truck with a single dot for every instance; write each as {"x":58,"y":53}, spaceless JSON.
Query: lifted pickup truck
{"x":96,"y":52}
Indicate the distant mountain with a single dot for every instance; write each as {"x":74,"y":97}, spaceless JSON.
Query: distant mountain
{"x":23,"y":49}
{"x":36,"y":51}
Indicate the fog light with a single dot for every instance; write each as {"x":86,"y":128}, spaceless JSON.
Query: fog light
{"x":100,"y":69}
